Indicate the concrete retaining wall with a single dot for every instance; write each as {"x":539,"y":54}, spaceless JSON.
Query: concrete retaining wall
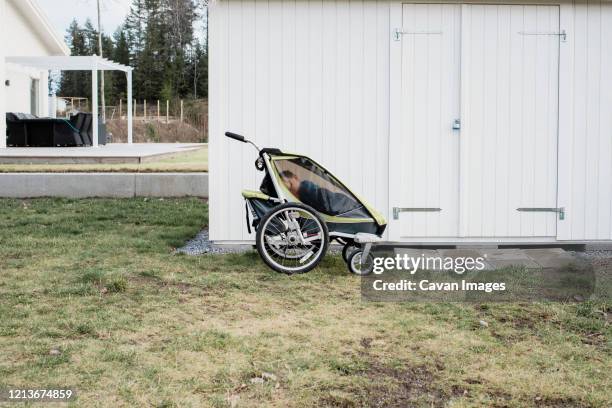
{"x":80,"y":185}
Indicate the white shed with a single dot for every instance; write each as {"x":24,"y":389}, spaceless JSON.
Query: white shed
{"x":462,"y":122}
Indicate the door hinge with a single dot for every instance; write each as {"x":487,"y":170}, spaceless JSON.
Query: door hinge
{"x":397,"y":33}
{"x":561,"y":34}
{"x":560,"y":210}
{"x":398,"y":210}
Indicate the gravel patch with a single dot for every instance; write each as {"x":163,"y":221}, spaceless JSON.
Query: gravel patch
{"x":201,"y":245}
{"x":600,"y":259}
{"x":593,"y":254}
{"x":599,"y":254}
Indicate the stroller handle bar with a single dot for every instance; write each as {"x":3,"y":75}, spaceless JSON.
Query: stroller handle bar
{"x":240,"y":138}
{"x":235,"y":136}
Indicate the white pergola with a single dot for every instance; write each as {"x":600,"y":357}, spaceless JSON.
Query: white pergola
{"x":82,"y":63}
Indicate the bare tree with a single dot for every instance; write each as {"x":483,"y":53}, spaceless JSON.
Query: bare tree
{"x":102,"y":76}
{"x":100,"y":3}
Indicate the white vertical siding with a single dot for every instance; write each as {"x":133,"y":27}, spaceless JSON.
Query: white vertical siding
{"x":2,"y":73}
{"x":585,"y":132}
{"x":304,"y":76}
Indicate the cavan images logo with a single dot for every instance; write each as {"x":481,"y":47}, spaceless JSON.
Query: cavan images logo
{"x":412,"y":264}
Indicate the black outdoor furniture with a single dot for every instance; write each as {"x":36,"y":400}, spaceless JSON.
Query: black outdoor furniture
{"x":15,"y":130}
{"x":83,"y":122}
{"x":77,"y":122}
{"x":27,"y":130}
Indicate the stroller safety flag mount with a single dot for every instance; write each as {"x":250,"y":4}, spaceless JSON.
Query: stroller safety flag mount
{"x":300,"y":208}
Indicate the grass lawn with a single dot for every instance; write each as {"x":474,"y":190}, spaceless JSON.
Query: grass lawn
{"x":131,"y":324}
{"x":193,"y":161}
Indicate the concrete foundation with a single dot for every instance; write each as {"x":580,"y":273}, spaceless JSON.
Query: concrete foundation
{"x":81,"y":185}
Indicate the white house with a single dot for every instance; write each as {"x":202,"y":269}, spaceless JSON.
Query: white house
{"x":25,"y":32}
{"x":476,"y":121}
{"x":29,"y":49}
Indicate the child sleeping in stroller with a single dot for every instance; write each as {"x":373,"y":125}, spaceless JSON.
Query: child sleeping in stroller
{"x":319,"y":198}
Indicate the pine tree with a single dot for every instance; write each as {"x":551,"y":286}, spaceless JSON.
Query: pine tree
{"x":180,"y":15}
{"x":108,"y":50}
{"x":121,"y":55}
{"x":158,"y":40}
{"x":75,"y":83}
{"x":91,"y":38}
{"x":135,"y":26}
{"x":197,"y":73}
{"x":151,"y":70}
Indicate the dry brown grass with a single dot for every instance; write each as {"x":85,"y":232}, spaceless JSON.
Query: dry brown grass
{"x":152,"y":131}
{"x":139,"y":326}
{"x":193,"y":128}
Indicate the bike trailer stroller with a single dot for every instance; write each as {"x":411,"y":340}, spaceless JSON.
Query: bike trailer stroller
{"x":300,"y":207}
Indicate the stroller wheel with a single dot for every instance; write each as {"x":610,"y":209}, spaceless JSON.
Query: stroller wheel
{"x":292,"y":238}
{"x":348,"y":249}
{"x":360,"y":266}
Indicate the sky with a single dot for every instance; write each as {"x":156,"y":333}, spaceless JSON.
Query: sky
{"x":61,"y":13}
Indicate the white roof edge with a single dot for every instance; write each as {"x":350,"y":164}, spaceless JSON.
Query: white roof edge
{"x":68,"y":63}
{"x":32,"y":11}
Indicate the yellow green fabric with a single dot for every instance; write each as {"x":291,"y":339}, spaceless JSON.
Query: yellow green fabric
{"x":284,"y":157}
{"x":255,"y":194}
{"x":380,"y":220}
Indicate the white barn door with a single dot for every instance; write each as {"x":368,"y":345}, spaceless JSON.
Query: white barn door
{"x":509,"y":112}
{"x":494,"y":68}
{"x":424,"y":147}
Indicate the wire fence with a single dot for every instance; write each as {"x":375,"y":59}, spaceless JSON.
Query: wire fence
{"x":190,"y":112}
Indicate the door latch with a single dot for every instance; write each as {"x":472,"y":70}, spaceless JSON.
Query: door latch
{"x":561,"y":34}
{"x":397,"y":33}
{"x":560,"y":210}
{"x":457,"y":124}
{"x":397,"y":211}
